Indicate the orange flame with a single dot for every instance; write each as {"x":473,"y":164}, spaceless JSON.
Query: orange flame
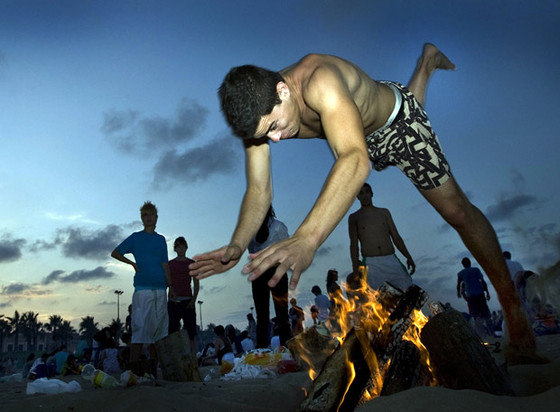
{"x":364,"y":311}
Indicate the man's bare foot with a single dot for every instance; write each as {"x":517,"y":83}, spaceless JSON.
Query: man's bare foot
{"x":432,"y":59}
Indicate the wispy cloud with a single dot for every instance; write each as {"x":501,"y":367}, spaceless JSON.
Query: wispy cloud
{"x":133,"y":133}
{"x":507,"y":206}
{"x":220,"y":156}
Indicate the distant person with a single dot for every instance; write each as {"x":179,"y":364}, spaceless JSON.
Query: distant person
{"x":70,"y":367}
{"x":322,"y":303}
{"x":314,"y":314}
{"x":252,"y":327}
{"x":182,"y":305}
{"x":271,"y":231}
{"x":27,"y":365}
{"x":372,"y":230}
{"x":513,"y":266}
{"x":60,"y":358}
{"x":474,"y":292}
{"x":222,"y":349}
{"x":234,"y":340}
{"x":246,"y":343}
{"x":109,"y":360}
{"x":297,"y":316}
{"x":149,"y":319}
{"x":128,"y":320}
{"x":333,"y":288}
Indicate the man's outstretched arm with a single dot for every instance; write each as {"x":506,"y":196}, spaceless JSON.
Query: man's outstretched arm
{"x":255,"y":204}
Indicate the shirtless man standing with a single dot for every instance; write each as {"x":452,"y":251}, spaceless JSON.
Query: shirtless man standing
{"x":364,"y":121}
{"x":373,"y":228}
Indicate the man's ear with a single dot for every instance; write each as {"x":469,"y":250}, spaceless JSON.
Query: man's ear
{"x":282,"y":89}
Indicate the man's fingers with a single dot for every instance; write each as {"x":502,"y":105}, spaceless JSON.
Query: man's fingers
{"x":294,"y":279}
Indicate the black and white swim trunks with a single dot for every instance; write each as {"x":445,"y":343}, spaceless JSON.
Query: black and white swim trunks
{"x":410,"y":143}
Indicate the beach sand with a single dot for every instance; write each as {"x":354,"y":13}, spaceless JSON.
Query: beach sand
{"x":537,"y":388}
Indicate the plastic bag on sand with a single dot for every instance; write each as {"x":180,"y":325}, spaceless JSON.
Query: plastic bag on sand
{"x":241,"y":370}
{"x":257,"y":364}
{"x":52,"y":386}
{"x":16,"y":377}
{"x":128,"y":378}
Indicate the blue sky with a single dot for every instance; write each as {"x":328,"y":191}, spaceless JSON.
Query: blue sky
{"x":106,"y":104}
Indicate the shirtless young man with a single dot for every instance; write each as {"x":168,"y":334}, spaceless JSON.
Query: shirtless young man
{"x":327,"y":97}
{"x":373,"y":230}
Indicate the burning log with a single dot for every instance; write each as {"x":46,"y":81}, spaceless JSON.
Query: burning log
{"x":404,"y":371}
{"x":310,"y":348}
{"x":458,"y":356}
{"x":354,"y":371}
{"x":337,"y":386}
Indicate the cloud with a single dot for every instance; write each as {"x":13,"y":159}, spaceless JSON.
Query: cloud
{"x":507,"y":207}
{"x":18,"y":290}
{"x":220,"y":156}
{"x":53,"y":276}
{"x":132,"y":133}
{"x":324,"y":251}
{"x":83,"y":243}
{"x":10,"y":249}
{"x":86,"y":275}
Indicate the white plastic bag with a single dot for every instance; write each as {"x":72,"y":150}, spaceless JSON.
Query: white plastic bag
{"x":52,"y":386}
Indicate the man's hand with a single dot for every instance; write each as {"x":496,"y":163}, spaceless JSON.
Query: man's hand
{"x":172,"y":293}
{"x":295,"y":254}
{"x":411,"y":266}
{"x":217,"y":261}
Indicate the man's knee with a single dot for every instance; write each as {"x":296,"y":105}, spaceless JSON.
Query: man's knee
{"x":458,"y":213}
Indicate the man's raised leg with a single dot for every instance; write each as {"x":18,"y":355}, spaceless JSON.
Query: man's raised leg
{"x":430,"y":61}
{"x":481,"y":240}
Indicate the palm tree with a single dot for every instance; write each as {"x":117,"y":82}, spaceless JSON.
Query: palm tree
{"x":116,"y":326}
{"x":15,"y":324}
{"x":66,"y":332}
{"x":55,"y":321}
{"x":88,"y":328}
{"x":5,"y":330}
{"x":30,"y":329}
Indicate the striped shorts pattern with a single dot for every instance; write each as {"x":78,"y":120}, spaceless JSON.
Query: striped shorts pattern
{"x":411,"y":144}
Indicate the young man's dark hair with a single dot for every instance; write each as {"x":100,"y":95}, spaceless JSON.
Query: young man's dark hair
{"x":246,"y":94}
{"x":466,"y":262}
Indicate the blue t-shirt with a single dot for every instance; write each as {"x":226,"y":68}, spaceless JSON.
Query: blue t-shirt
{"x":471,"y":277}
{"x":150,"y":253}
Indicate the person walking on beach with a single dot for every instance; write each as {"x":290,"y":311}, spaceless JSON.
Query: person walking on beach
{"x":322,"y":303}
{"x":364,"y":121}
{"x":472,"y":287}
{"x":149,"y":319}
{"x":373,"y":230}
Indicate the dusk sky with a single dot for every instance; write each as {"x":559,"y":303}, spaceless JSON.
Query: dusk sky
{"x":107,"y":104}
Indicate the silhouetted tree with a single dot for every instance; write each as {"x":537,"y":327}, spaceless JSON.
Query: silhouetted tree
{"x":88,"y":328}
{"x":15,"y":324}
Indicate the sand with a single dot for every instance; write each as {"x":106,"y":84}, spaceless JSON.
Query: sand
{"x":537,"y":388}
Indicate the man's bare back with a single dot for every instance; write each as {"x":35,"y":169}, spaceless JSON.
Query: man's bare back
{"x":309,"y":78}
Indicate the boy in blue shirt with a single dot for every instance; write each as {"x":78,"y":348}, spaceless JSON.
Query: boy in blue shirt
{"x":149,"y":319}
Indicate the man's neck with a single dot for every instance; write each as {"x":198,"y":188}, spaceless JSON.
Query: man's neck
{"x":149,"y":229}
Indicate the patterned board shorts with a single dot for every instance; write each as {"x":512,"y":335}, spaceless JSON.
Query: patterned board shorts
{"x":411,"y":144}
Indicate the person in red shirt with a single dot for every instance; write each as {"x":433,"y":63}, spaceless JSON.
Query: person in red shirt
{"x":182,"y":305}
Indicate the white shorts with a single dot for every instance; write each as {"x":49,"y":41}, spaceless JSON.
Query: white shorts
{"x":387,"y":269}
{"x":149,"y":319}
